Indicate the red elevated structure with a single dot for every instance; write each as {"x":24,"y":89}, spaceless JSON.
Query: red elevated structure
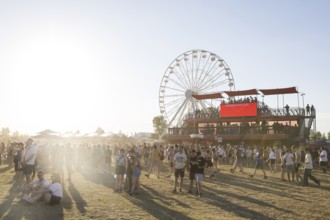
{"x":245,"y":120}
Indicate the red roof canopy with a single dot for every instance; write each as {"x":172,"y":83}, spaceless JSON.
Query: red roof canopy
{"x":242,"y":92}
{"x":218,"y":95}
{"x":208,"y":96}
{"x":279,"y":91}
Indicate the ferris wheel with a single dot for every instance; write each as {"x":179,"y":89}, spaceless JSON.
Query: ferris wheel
{"x":192,"y":73}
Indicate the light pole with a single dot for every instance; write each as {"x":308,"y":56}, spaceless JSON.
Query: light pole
{"x":302,"y":95}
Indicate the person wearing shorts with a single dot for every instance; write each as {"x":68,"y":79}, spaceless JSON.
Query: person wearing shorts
{"x":120,"y":169}
{"x":259,"y":164}
{"x":29,"y":159}
{"x":192,"y":171}
{"x":180,"y":160}
{"x":199,"y":175}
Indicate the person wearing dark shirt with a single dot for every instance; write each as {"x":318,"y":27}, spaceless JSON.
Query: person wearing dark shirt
{"x":201,"y":162}
{"x":192,"y":171}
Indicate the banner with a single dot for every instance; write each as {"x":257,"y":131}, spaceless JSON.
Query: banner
{"x":238,"y":110}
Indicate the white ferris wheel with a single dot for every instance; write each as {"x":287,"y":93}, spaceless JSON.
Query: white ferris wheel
{"x":194,"y":72}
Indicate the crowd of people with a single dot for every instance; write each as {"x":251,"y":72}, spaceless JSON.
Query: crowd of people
{"x":127,"y":163}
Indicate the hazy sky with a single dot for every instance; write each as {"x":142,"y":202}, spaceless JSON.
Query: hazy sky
{"x":79,"y":65}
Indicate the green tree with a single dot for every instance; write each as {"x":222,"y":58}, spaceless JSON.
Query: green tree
{"x":316,"y":136}
{"x":329,"y":135}
{"x":5,"y":134}
{"x":99,"y":131}
{"x":159,"y":124}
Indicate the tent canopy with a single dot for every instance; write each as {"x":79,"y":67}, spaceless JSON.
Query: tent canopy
{"x":218,"y":95}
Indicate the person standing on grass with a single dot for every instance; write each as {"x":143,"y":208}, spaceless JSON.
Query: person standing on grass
{"x":289,"y":161}
{"x":29,"y":159}
{"x":201,"y":164}
{"x":298,"y":163}
{"x":215,"y":159}
{"x":323,"y":159}
{"x":130,"y":160}
{"x":259,"y":164}
{"x":180,"y":160}
{"x":170,"y":157}
{"x":192,"y":171}
{"x":136,"y":172}
{"x":155,"y":161}
{"x":308,"y":166}
{"x":120,"y":169}
{"x":238,"y":156}
{"x":18,"y":160}
{"x":272,"y":160}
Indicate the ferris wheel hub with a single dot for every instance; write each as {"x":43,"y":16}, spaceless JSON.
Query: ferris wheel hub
{"x":189,"y":93}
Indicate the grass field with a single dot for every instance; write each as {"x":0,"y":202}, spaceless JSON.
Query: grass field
{"x":89,"y":195}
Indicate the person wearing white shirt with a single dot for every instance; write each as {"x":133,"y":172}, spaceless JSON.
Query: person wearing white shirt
{"x":272,"y":159}
{"x":179,"y":160}
{"x":289,"y":159}
{"x":308,"y":166}
{"x":29,"y":159}
{"x":323,"y":159}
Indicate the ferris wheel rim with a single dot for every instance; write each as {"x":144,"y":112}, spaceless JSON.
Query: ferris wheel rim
{"x":184,"y":90}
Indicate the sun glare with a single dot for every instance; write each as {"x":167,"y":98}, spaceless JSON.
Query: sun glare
{"x":56,"y":81}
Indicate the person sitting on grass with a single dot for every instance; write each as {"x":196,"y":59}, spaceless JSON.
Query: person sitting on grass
{"x":52,"y":194}
{"x":36,"y":186}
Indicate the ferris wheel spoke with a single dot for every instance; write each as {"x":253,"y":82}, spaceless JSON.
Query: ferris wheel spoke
{"x":187,"y":68}
{"x":197,"y":69}
{"x":207,"y":65}
{"x":187,"y":82}
{"x":174,"y":102}
{"x":211,"y":69}
{"x":183,"y":110}
{"x":179,"y":73}
{"x":178,"y":84}
{"x":174,"y":89}
{"x":177,"y":112}
{"x":210,"y":81}
{"x":170,"y":96}
{"x":214,"y":86}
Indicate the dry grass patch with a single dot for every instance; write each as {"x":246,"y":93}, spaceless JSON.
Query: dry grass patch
{"x":89,"y":195}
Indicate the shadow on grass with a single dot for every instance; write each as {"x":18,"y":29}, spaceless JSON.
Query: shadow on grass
{"x":215,"y":195}
{"x":8,"y":201}
{"x":10,"y":209}
{"x":37,"y":211}
{"x":5,"y":169}
{"x":147,"y":199}
{"x":106,"y":179}
{"x":78,"y":199}
{"x":258,"y":185}
{"x":233,"y":208}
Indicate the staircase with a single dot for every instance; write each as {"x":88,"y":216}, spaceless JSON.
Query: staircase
{"x":310,"y":121}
